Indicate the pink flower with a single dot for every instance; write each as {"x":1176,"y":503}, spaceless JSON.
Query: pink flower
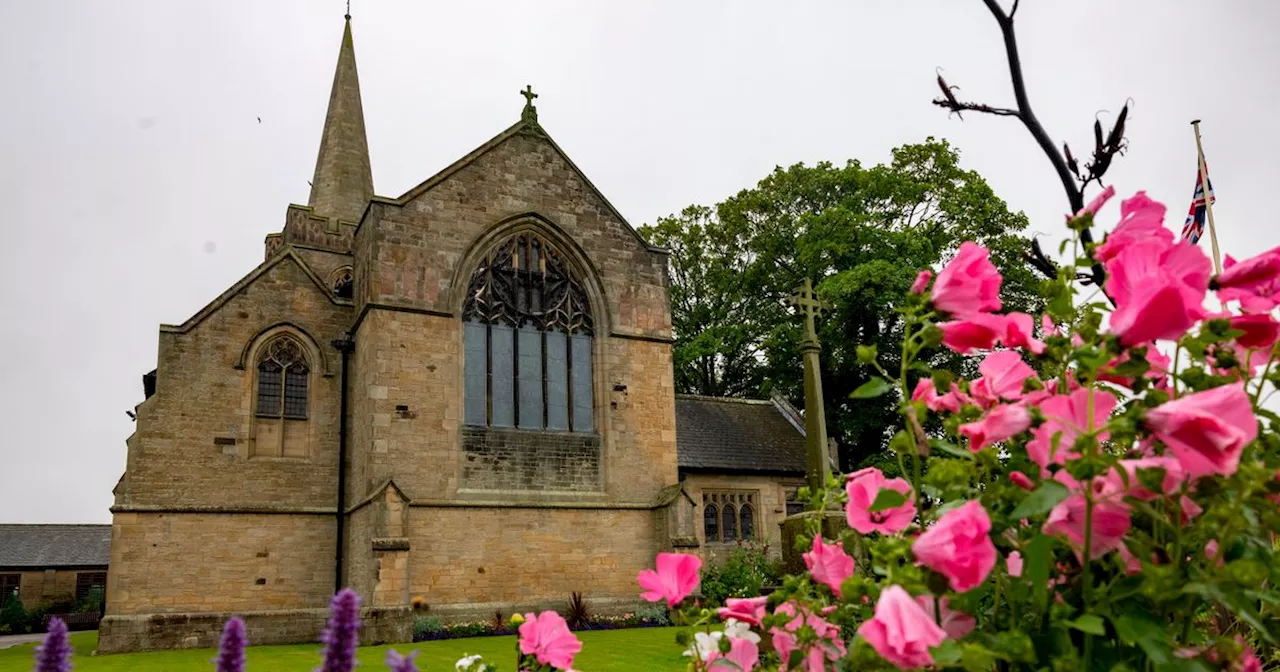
{"x":1248,"y":661}
{"x":1173,"y":478}
{"x":1066,"y":418}
{"x":743,"y":656}
{"x":546,"y":636}
{"x":829,"y":564}
{"x":1098,"y":201}
{"x":1254,"y":282}
{"x":1003,"y":373}
{"x":975,"y":331}
{"x":1048,"y":327}
{"x":969,"y":283}
{"x":959,"y":547}
{"x":957,"y":624}
{"x":1132,"y":565}
{"x":1158,"y":289}
{"x":901,"y":630}
{"x":829,"y":646}
{"x":1211,"y":552}
{"x":1110,"y":520}
{"x":748,"y":610}
{"x":1021,"y":480}
{"x":1020,"y":333}
{"x":1141,"y":219}
{"x":1159,"y":368}
{"x":999,"y":424}
{"x":922,"y":281}
{"x":862,"y":487}
{"x":1207,"y":431}
{"x":676,"y":578}
{"x":1260,"y":331}
{"x":1014,"y":563}
{"x":927,"y":392}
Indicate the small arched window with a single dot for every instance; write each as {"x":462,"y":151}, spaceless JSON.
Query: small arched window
{"x":710,"y":522}
{"x":729,"y":515}
{"x":343,"y":283}
{"x":282,"y":399}
{"x":527,"y":333}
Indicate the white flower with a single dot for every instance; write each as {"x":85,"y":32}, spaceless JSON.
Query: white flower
{"x":704,"y":644}
{"x":465,"y":663}
{"x":735,"y":629}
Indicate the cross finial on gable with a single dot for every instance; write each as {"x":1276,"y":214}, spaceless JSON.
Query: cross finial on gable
{"x":530,"y":112}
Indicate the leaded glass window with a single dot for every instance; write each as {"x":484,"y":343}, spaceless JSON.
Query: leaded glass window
{"x":283,"y":376}
{"x":527,"y":341}
{"x":729,"y":515}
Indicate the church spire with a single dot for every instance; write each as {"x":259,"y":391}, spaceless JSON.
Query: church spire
{"x":343,"y":181}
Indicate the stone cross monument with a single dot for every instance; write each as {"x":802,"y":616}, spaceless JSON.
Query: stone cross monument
{"x":815,"y":430}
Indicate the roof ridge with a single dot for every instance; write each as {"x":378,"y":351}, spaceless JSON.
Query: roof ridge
{"x":55,"y":524}
{"x":732,"y":400}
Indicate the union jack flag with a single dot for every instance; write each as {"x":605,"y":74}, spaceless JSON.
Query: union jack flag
{"x":1193,"y":228}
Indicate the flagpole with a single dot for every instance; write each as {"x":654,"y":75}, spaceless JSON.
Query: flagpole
{"x":1208,"y":201}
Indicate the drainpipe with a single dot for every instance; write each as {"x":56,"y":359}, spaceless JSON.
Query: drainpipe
{"x":344,"y":345}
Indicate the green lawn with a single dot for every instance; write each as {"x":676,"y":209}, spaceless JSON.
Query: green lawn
{"x":645,"y":649}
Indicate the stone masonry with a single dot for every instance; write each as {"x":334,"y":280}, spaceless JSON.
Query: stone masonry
{"x":212,"y":519}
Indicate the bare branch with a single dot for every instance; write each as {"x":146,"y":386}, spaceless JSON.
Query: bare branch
{"x":958,"y":106}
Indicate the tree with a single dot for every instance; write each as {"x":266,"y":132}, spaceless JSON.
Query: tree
{"x":860,"y":233}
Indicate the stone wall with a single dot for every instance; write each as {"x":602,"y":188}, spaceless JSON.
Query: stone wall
{"x":514,"y":459}
{"x":489,"y":559}
{"x":194,"y":438}
{"x":41,"y":587}
{"x":182,"y":562}
{"x":772,"y":509}
{"x":121,"y":634}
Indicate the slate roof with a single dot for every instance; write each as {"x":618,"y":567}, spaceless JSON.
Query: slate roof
{"x":46,"y":546}
{"x":738,"y":435}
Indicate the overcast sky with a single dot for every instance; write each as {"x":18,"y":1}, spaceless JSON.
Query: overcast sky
{"x":137,"y":182}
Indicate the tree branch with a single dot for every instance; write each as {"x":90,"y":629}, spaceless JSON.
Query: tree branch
{"x":1023,"y":111}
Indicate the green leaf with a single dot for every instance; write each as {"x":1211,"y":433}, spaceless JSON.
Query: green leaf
{"x":1090,"y":623}
{"x":1235,"y":602}
{"x":866,"y":354}
{"x":1045,"y":497}
{"x":1037,"y":559}
{"x":950,"y":449}
{"x":947,"y":653}
{"x":871,"y":389}
{"x":887,"y":499}
{"x":1135,"y":626}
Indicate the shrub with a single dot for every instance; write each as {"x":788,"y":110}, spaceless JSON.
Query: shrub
{"x":653,"y":614}
{"x":13,"y":618}
{"x":577,"y":615}
{"x":426,"y":626}
{"x":743,"y":574}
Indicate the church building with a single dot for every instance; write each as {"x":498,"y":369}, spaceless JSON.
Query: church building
{"x":460,"y":397}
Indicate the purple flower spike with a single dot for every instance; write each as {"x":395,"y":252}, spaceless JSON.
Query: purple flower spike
{"x":231,"y":652}
{"x":399,"y":663}
{"x":340,"y":637}
{"x":55,"y":654}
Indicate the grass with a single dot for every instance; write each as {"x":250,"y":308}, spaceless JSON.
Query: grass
{"x":645,"y":650}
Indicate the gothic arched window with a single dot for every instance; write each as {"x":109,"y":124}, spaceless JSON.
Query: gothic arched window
{"x":527,"y":333}
{"x":282,"y":399}
{"x":747,"y":520}
{"x":710,"y":522}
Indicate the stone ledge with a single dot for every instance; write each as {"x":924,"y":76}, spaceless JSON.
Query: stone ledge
{"x":144,"y":632}
{"x":483,"y":611}
{"x":390,"y":543}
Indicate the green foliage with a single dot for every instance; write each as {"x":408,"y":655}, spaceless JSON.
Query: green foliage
{"x":577,"y":614}
{"x":743,"y":574}
{"x":860,"y":233}
{"x":13,"y":618}
{"x":426,"y":626}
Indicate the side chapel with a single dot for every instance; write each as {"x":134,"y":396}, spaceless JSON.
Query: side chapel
{"x":463,"y":394}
